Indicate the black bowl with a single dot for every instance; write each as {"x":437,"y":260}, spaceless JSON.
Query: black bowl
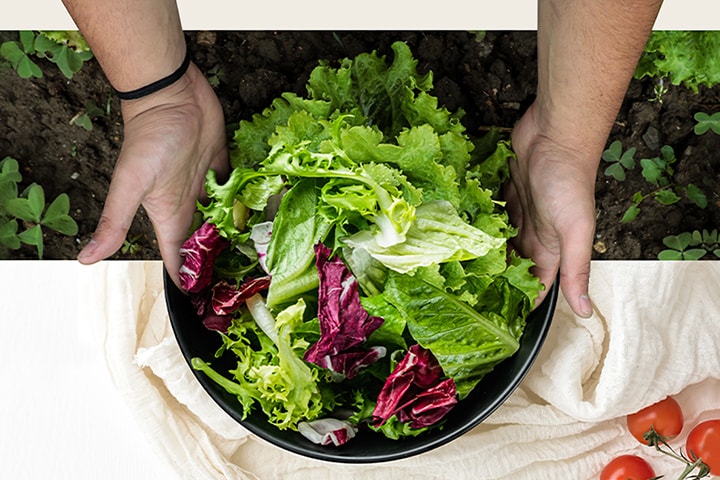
{"x":367,"y":446}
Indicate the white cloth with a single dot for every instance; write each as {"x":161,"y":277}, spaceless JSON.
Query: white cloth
{"x":655,"y":333}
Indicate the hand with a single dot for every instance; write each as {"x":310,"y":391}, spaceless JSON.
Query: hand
{"x":171,"y":139}
{"x":551,"y":199}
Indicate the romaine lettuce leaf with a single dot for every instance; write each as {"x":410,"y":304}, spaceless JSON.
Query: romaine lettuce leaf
{"x":467,"y":343}
{"x":290,"y":256}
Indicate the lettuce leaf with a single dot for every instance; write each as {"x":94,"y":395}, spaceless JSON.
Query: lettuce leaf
{"x":688,"y":58}
{"x":273,"y":376}
{"x":437,"y":235}
{"x":467,"y":342}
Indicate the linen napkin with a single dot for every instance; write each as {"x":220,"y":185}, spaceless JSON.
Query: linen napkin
{"x":654,"y":333}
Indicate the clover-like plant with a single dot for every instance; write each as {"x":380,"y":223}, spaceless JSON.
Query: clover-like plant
{"x":690,"y":245}
{"x":18,"y":53}
{"x":24,"y":214}
{"x":658,"y":172}
{"x":619,"y":161}
{"x":67,"y":49}
{"x":707,"y":122}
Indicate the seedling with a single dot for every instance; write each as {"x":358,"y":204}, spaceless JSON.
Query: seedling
{"x":130,"y":246}
{"x":83,"y":118}
{"x":27,"y":208}
{"x":68,"y":50}
{"x":215,"y":75}
{"x":18,"y":54}
{"x":659,"y":91}
{"x":707,"y":122}
{"x":658,"y":172}
{"x":690,"y":245}
{"x":619,"y":161}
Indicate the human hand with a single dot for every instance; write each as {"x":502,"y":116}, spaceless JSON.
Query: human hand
{"x":551,"y":200}
{"x":171,"y":138}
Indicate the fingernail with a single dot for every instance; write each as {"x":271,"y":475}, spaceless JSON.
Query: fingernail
{"x":88,"y":250}
{"x":585,"y":306}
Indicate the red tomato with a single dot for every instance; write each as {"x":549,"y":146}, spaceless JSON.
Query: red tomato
{"x":627,"y":467}
{"x":665,"y":417}
{"x":704,"y":443}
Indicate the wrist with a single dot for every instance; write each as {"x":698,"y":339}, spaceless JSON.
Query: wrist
{"x":158,"y":84}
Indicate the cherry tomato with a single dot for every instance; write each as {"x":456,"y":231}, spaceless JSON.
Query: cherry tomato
{"x":665,"y":417}
{"x":704,"y":442}
{"x":627,"y":467}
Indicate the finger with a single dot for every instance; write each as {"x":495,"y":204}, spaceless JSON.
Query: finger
{"x":576,"y":253}
{"x":169,"y":243}
{"x":121,"y":204}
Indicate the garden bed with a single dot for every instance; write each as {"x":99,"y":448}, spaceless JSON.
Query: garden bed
{"x":491,"y":76}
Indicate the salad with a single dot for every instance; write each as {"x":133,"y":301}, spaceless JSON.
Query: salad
{"x":355,"y":262}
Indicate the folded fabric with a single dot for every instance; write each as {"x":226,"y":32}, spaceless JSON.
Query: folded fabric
{"x":654,"y":333}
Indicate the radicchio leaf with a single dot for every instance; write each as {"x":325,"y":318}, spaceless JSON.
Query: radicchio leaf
{"x":344,"y":323}
{"x":199,"y":252}
{"x":226,"y":298}
{"x":414,"y":391}
{"x":215,"y":306}
{"x":327,"y":430}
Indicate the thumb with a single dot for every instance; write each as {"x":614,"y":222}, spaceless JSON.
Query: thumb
{"x":121,"y":204}
{"x":576,"y":253}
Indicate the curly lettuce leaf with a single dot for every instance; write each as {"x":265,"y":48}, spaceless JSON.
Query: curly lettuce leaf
{"x":687,"y":58}
{"x":272,"y":376}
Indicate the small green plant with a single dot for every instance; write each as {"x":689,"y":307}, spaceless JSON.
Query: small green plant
{"x":707,"y":122}
{"x":215,"y":75}
{"x":130,"y":246}
{"x":84,"y":118}
{"x":657,"y":172}
{"x":619,"y":161}
{"x":23,"y":214}
{"x":18,"y":54}
{"x":67,"y":49}
{"x":690,"y":245}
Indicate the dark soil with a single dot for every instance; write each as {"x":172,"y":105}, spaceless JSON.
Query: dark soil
{"x":491,"y":77}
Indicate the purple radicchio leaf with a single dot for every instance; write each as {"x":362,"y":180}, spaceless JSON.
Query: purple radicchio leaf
{"x":414,"y":391}
{"x":201,"y":301}
{"x":344,"y":324}
{"x":215,"y":306}
{"x":199,"y":253}
{"x":325,"y":431}
{"x":226,"y":298}
{"x":349,"y":364}
{"x":219,"y":323}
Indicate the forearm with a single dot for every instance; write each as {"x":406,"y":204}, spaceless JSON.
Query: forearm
{"x":136,"y":42}
{"x":587,"y":53}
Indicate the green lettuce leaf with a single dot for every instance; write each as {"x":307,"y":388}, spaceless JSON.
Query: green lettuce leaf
{"x":290,"y":257}
{"x":467,"y":342}
{"x":273,"y":376}
{"x":437,"y":235}
{"x":688,"y":58}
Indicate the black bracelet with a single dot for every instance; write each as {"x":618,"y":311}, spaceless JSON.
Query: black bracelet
{"x":157,"y":85}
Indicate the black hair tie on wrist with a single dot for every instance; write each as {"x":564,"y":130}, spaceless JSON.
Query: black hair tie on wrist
{"x":157,"y":85}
